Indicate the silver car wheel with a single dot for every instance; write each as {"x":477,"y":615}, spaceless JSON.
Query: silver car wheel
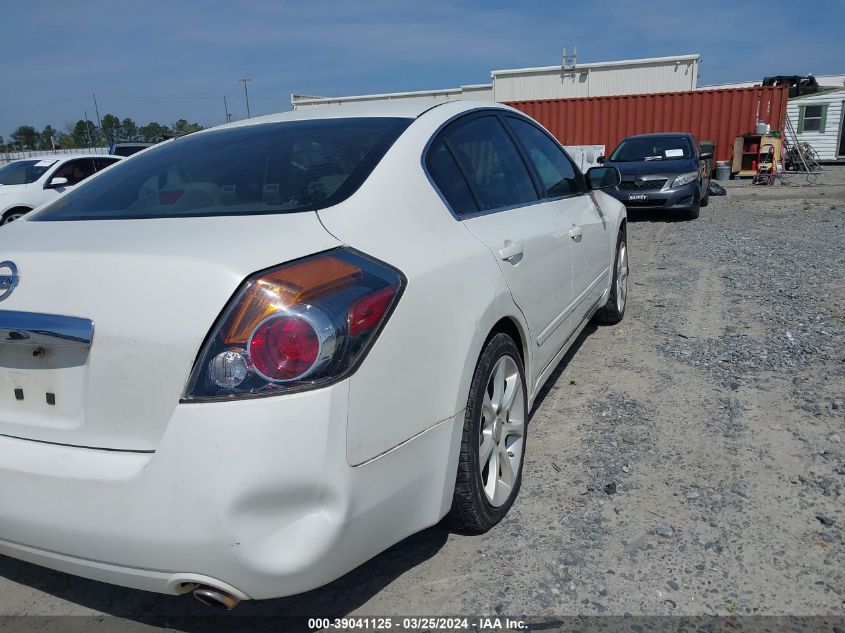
{"x":502,"y":431}
{"x":622,"y":277}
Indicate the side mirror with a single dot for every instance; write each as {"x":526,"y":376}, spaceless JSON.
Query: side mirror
{"x":56,"y":182}
{"x":706,"y":156}
{"x":601,"y":160}
{"x":603,"y":177}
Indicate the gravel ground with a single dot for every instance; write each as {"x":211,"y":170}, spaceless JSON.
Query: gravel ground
{"x":688,"y":461}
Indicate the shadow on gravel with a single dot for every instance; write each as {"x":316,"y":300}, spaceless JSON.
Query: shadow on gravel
{"x":184,"y":613}
{"x":564,"y":362}
{"x":658,"y":216}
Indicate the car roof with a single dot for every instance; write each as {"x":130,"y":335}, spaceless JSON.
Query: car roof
{"x":396,"y":109}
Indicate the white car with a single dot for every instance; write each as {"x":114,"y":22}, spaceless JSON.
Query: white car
{"x":246,"y":361}
{"x":30,"y":182}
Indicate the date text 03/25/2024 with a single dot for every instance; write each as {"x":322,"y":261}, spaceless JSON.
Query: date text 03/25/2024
{"x":446,"y":624}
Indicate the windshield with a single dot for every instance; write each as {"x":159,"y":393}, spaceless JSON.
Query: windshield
{"x":255,"y":169}
{"x":652,"y":148}
{"x":22,"y":172}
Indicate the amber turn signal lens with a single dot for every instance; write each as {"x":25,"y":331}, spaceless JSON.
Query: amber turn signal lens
{"x":280,"y":289}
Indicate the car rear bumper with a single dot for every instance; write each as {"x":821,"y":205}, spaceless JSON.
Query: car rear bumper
{"x":683,"y":198}
{"x":255,"y":497}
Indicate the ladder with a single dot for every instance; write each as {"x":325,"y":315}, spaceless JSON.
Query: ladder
{"x":793,"y":148}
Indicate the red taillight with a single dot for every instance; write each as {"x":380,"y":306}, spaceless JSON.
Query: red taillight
{"x":285,"y":287}
{"x":366,"y":313}
{"x":296,"y":326}
{"x":284,"y":347}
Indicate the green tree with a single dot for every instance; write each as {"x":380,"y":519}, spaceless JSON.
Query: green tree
{"x":111,"y":128}
{"x":84,"y":134}
{"x":182,"y":127}
{"x":25,"y":137}
{"x":66,"y":141}
{"x":128,"y":130}
{"x":152,"y":132}
{"x":48,"y":138}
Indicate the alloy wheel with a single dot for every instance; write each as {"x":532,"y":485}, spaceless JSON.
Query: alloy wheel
{"x":622,"y":277}
{"x":502,"y":431}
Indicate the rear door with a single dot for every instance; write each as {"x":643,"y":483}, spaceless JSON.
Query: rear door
{"x":482,"y":174}
{"x":586,"y":225}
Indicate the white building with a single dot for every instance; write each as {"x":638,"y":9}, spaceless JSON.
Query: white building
{"x":634,"y":76}
{"x":482,"y":92}
{"x":818,"y":120}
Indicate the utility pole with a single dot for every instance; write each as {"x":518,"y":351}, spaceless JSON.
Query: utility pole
{"x":226,"y":108}
{"x":245,"y":81}
{"x":87,"y":128}
{"x":99,"y":122}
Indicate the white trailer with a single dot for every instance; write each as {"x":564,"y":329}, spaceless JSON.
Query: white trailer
{"x":818,"y":120}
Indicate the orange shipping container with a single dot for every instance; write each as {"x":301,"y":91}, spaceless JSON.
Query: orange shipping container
{"x":714,"y":115}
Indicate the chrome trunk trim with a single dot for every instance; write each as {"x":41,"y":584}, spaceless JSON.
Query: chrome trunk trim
{"x":48,"y":330}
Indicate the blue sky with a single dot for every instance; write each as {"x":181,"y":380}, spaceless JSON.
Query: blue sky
{"x":165,"y":60}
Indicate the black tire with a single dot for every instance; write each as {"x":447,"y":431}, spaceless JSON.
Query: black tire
{"x":693,"y":213}
{"x":705,"y":200}
{"x":472,"y":512}
{"x":611,"y":313}
{"x":13,"y":214}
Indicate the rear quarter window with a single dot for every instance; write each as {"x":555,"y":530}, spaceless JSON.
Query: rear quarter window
{"x":449,"y":180}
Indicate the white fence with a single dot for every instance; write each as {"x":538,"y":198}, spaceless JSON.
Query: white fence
{"x":7,"y":157}
{"x":585,"y":156}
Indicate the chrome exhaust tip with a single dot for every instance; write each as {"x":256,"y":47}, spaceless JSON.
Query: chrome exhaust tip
{"x":216,"y":598}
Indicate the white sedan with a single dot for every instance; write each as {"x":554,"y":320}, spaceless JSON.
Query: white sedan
{"x":246,"y":361}
{"x":30,"y":182}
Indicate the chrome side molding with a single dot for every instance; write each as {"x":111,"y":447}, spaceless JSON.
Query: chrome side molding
{"x":48,"y":330}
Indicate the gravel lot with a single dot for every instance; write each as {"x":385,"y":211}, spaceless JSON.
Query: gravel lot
{"x":688,"y":461}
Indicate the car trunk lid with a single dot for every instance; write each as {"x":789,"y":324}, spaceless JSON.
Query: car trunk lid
{"x":151,"y":290}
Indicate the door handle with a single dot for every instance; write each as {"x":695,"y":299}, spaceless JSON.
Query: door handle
{"x":510,"y":251}
{"x":576,"y":233}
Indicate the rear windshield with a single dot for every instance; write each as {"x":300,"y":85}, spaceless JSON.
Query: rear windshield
{"x":652,"y":148}
{"x":22,"y":172}
{"x":257,"y":169}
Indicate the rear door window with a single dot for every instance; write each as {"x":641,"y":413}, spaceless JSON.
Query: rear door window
{"x":556,"y":171}
{"x":491,"y":163}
